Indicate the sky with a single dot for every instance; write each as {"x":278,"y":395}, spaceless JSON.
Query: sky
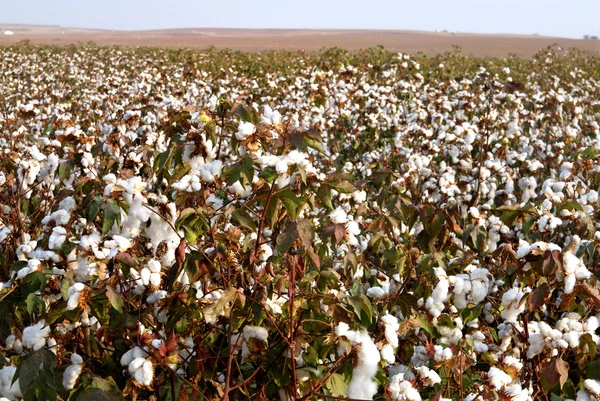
{"x":573,"y":18}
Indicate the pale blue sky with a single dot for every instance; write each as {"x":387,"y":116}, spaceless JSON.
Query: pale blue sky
{"x":572,"y":18}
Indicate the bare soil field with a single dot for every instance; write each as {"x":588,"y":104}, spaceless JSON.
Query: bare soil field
{"x":294,"y":39}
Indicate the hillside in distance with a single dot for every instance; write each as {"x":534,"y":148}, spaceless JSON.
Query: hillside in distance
{"x":298,"y":39}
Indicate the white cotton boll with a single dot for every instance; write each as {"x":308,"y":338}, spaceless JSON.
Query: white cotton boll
{"x":71,"y":375}
{"x":145,"y":275}
{"x":265,"y":252}
{"x":76,"y":359}
{"x":154,"y":266}
{"x":510,"y":301}
{"x":155,"y":279}
{"x":523,"y":250}
{"x":430,"y":377}
{"x":517,"y":393}
{"x":245,"y":129}
{"x":257,"y":332}
{"x":570,"y":281}
{"x":570,"y":262}
{"x":401,"y":389}
{"x":391,"y":329}
{"x":376,"y":292}
{"x":147,"y":373}
{"x":591,"y":324}
{"x":361,"y":385}
{"x":8,"y":389}
{"x":18,"y":346}
{"x":341,"y":329}
{"x":338,"y":216}
{"x":23,"y":272}
{"x":136,"y":364}
{"x":35,"y":336}
{"x":593,"y":386}
{"x":281,"y":167}
{"x":498,"y":378}
{"x":10,"y":341}
{"x":73,"y":301}
{"x":572,"y":338}
{"x":479,"y":291}
{"x":583,"y":395}
{"x":156,"y":296}
{"x":387,"y":353}
{"x":127,"y":357}
{"x":57,"y":238}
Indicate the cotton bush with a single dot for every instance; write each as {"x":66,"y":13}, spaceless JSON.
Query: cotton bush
{"x":220,"y":225}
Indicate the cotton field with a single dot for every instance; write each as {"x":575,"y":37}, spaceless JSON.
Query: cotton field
{"x":181,"y":225}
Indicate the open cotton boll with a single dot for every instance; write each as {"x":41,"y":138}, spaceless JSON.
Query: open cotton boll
{"x":435,"y":303}
{"x":8,"y":389}
{"x":257,"y":332}
{"x":34,"y":337}
{"x":362,"y":386}
{"x":72,"y":372}
{"x":392,"y":325}
{"x":265,"y":252}
{"x":498,"y":378}
{"x":376,"y":292}
{"x":511,"y":300}
{"x":245,"y":129}
{"x":429,"y":377}
{"x":517,"y":393}
{"x":338,"y":216}
{"x":401,"y":389}
{"x":583,"y":395}
{"x":388,"y":354}
{"x":57,"y":238}
{"x":74,"y":293}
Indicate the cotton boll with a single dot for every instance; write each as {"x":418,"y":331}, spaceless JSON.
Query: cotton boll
{"x":341,"y":329}
{"x":400,"y":389}
{"x":376,"y":292}
{"x":430,"y":377}
{"x":73,"y":301}
{"x":387,"y":353}
{"x":361,"y":385}
{"x":245,"y":129}
{"x":34,"y":337}
{"x":338,"y":216}
{"x":498,"y":378}
{"x":72,"y":373}
{"x":8,"y":389}
{"x":391,"y":328}
{"x":593,"y":386}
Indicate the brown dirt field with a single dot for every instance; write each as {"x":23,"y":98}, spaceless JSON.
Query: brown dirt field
{"x":292,"y":39}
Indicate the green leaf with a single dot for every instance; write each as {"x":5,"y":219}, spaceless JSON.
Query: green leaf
{"x":244,"y":219}
{"x":96,"y":394}
{"x":95,"y":206}
{"x":34,"y":303}
{"x":324,"y":195}
{"x":337,"y":386}
{"x":291,"y":202}
{"x":115,"y":299}
{"x":343,"y":186}
{"x":286,"y":238}
{"x":31,"y":364}
{"x":112,"y":215}
{"x":422,"y":322}
{"x":269,"y":175}
{"x":593,"y":370}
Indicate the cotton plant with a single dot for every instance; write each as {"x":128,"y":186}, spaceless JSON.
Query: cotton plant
{"x":185,"y":196}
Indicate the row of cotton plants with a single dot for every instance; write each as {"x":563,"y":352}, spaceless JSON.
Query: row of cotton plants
{"x":184,"y":225}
